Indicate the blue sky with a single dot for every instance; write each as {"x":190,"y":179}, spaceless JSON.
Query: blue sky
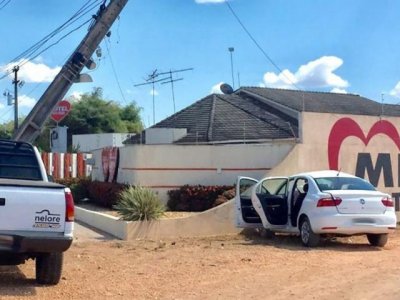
{"x":341,"y":46}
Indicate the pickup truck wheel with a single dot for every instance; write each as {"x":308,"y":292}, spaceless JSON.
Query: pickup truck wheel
{"x":378,"y":240}
{"x":49,"y":268}
{"x":308,"y":237}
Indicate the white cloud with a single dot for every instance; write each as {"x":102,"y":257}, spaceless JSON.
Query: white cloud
{"x":75,"y":96}
{"x":318,"y":73}
{"x":396,"y":90}
{"x":338,"y":91}
{"x":33,"y":71}
{"x":209,"y":1}
{"x":154,"y":92}
{"x":216,"y":89}
{"x":25,"y":101}
{"x":39,"y":59}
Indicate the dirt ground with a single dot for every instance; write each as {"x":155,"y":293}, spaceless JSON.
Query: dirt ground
{"x":235,"y":267}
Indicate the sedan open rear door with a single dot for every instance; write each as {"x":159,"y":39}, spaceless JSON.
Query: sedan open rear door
{"x":269,"y":198}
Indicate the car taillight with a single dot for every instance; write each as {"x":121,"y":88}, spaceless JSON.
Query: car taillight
{"x":388,"y":202}
{"x":70,"y":209}
{"x":326,"y":202}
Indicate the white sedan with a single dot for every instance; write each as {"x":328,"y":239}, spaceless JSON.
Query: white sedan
{"x":315,"y":204}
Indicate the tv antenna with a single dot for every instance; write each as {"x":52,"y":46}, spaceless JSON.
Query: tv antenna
{"x":172,"y":80}
{"x":152,"y":79}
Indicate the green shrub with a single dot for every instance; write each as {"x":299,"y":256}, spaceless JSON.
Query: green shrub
{"x":78,"y":186}
{"x":198,"y":198}
{"x":105,"y":194}
{"x":139,"y":204}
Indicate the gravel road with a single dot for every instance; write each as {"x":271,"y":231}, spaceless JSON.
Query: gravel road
{"x":230,"y":267}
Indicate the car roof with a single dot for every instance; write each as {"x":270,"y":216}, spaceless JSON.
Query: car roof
{"x":324,"y":173}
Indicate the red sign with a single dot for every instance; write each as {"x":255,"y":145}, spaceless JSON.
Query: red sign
{"x":113,"y":164}
{"x":61,"y":111}
{"x":346,"y":127}
{"x":109,"y":160}
{"x":105,"y":161}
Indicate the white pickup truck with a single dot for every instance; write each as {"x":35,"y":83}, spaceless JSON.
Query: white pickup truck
{"x":36,"y":216}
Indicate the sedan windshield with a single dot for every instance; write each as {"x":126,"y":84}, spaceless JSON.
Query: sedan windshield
{"x":343,"y":183}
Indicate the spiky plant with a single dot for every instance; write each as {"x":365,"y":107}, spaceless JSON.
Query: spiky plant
{"x":139,"y":204}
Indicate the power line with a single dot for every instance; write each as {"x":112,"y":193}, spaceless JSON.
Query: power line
{"x":25,"y":61}
{"x":78,"y":15}
{"x":259,"y":47}
{"x":4,"y":5}
{"x":114,"y":72}
{"x":31,"y":52}
{"x":5,"y":113}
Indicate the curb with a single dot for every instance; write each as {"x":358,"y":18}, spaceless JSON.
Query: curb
{"x":217,"y":221}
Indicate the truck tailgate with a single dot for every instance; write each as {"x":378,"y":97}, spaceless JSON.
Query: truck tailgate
{"x":32,"y":206}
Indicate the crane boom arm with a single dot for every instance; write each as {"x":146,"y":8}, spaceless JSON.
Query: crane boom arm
{"x":69,"y":73}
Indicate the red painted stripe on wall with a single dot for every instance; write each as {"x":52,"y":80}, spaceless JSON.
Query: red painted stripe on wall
{"x":169,"y":169}
{"x":196,"y":169}
{"x":246,"y":169}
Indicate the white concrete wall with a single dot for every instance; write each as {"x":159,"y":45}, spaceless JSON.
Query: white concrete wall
{"x":166,"y":167}
{"x":216,"y":221}
{"x":89,"y":142}
{"x":156,"y":136}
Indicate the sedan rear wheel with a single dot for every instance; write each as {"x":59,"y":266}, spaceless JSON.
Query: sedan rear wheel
{"x":378,"y":240}
{"x":308,"y":237}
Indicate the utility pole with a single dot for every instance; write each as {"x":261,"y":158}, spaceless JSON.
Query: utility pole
{"x":231,"y":49}
{"x":15,"y":82}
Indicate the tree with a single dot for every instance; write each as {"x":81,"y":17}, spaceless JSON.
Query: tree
{"x":6,"y":130}
{"x":94,"y":114}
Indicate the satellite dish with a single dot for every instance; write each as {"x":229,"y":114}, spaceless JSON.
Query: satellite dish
{"x":226,"y":89}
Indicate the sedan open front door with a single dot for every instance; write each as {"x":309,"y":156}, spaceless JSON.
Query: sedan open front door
{"x":245,"y":214}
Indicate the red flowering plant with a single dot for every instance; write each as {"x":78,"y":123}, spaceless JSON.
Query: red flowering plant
{"x":198,"y":197}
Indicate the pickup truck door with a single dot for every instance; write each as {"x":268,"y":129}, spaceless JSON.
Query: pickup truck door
{"x":245,"y":214}
{"x":270,"y":200}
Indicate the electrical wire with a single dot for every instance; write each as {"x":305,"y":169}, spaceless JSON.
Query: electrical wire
{"x":5,"y":113}
{"x":4,"y":5}
{"x":59,"y":40}
{"x":25,"y":61}
{"x":34,"y":51}
{"x":79,"y":14}
{"x":114,"y":72}
{"x":259,"y":46}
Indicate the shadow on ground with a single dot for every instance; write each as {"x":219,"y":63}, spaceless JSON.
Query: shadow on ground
{"x":293,"y":242}
{"x":14,"y":283}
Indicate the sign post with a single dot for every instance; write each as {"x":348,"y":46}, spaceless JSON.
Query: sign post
{"x":58,"y":135}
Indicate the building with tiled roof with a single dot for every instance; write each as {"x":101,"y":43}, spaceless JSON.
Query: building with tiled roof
{"x":255,"y":114}
{"x":258,"y":131}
